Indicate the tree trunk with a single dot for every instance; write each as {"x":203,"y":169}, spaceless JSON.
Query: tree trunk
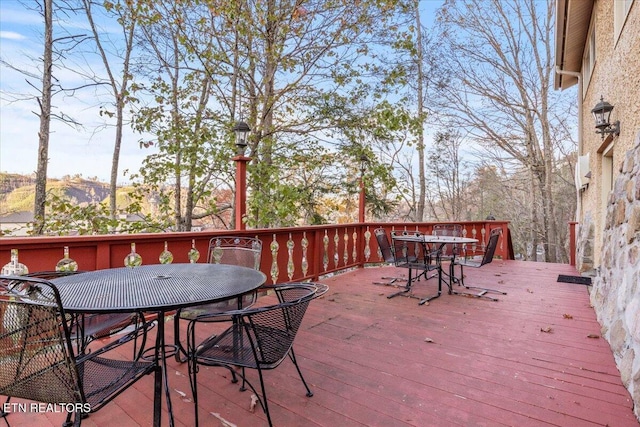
{"x":420,"y":146}
{"x":45,"y":121}
{"x":533,"y":215}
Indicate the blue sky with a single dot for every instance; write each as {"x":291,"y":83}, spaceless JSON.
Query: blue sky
{"x":72,"y":151}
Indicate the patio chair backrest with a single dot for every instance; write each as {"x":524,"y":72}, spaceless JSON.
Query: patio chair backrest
{"x":36,"y":352}
{"x":454,"y":230}
{"x":490,"y":250}
{"x":37,"y":357}
{"x":273,"y":329}
{"x":384,"y":245}
{"x":293,"y":291}
{"x":87,"y":327}
{"x":235,"y":250}
{"x":409,"y":254}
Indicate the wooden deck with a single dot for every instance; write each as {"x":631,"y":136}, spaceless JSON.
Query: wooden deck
{"x":534,"y":358}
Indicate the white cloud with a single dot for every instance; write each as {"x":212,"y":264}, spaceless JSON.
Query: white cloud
{"x":11,"y":35}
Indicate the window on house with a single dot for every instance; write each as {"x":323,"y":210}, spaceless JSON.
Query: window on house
{"x":620,"y":11}
{"x":589,"y":58}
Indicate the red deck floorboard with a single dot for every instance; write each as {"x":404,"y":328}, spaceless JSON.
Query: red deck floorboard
{"x":373,"y":361}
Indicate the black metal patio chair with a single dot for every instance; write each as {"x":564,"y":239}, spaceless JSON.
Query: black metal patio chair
{"x":387,"y":255}
{"x":412,"y":253}
{"x":448,"y":251}
{"x":232,"y":250}
{"x":38,"y":358}
{"x":86,"y":328}
{"x":477,"y":262}
{"x":258,"y":338}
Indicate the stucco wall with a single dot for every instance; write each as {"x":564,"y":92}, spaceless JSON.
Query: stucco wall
{"x":616,"y":77}
{"x":609,"y":232}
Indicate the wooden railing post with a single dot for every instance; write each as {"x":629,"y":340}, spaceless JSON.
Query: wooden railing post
{"x":572,"y":242}
{"x":362,"y":228}
{"x":103,"y":255}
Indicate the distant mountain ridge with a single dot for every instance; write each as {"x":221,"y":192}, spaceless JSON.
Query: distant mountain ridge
{"x":17,"y":192}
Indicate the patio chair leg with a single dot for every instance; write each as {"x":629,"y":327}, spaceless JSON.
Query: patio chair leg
{"x":192,"y":369}
{"x":391,"y":281}
{"x":244,"y":382}
{"x":406,"y":291}
{"x":460,"y":282}
{"x":292,"y":356}
{"x":265,"y":405}
{"x":76,"y":420}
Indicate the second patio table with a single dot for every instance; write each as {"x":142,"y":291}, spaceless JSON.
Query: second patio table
{"x":439,"y":242}
{"x":159,"y":289}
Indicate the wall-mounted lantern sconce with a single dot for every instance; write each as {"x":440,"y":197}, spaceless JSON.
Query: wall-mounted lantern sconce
{"x":601,"y":113}
{"x":241,"y":130}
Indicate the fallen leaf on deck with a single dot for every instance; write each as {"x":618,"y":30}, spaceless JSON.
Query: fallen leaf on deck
{"x":223,"y":422}
{"x":567,"y":316}
{"x":593,"y":336}
{"x":547,"y":329}
{"x":500,"y":281}
{"x":497,"y":274}
{"x":183,"y":395}
{"x":529,"y":290}
{"x":428,"y":340}
{"x":254,"y":401}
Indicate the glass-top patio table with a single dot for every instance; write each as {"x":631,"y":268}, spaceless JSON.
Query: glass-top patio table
{"x":157,"y":289}
{"x":437,"y":242}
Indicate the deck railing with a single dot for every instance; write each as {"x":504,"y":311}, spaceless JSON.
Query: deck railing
{"x":288,"y":254}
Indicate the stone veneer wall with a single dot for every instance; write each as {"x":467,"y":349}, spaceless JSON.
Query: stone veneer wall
{"x":616,"y":288}
{"x":584,"y":244}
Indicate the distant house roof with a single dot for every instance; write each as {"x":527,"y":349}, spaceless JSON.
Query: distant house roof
{"x":17,"y":218}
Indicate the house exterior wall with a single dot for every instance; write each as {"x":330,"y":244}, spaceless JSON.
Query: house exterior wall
{"x":609,"y":214}
{"x":616,"y":291}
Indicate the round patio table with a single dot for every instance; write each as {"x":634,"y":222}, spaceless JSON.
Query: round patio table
{"x":158,"y":288}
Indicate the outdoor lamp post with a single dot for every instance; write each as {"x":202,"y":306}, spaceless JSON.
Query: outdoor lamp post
{"x":601,"y":113}
{"x":364,"y":161}
{"x":242,"y":130}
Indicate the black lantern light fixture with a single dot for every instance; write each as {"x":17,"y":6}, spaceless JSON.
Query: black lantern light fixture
{"x":241,"y":130}
{"x":601,"y":113}
{"x":364,"y":163}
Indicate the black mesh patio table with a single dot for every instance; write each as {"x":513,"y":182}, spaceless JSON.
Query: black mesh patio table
{"x":159,"y":289}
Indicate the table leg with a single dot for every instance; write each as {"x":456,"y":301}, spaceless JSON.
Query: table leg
{"x":452,"y":274}
{"x":161,"y":377}
{"x":429,"y":298}
{"x":157,"y":387}
{"x":406,"y":289}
